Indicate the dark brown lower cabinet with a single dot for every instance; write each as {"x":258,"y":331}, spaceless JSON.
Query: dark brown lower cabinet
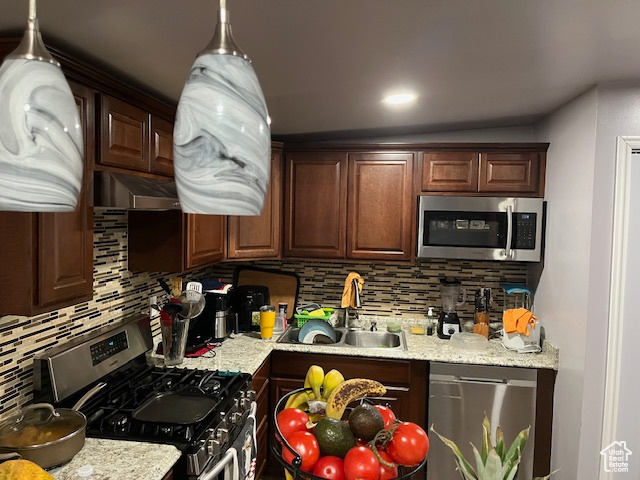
{"x":406,"y":382}
{"x":261,"y":385}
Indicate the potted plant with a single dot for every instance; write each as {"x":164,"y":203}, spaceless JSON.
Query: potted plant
{"x":495,"y":462}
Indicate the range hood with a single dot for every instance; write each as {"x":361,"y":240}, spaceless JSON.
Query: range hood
{"x":120,"y":190}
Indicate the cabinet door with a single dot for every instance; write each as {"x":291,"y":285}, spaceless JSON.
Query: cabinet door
{"x":316,"y":200}
{"x":161,"y":154}
{"x":65,"y":240}
{"x":380,"y":203}
{"x":124,"y":135}
{"x":260,"y":237}
{"x":205,"y":239}
{"x":511,"y":173}
{"x":449,"y":172}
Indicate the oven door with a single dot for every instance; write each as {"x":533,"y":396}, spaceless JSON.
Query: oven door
{"x":239,"y":461}
{"x":480,"y":228}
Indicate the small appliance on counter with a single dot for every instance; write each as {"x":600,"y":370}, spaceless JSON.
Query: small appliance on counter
{"x":214,"y":324}
{"x":247,"y":300}
{"x":449,"y":322}
{"x":528,"y":336}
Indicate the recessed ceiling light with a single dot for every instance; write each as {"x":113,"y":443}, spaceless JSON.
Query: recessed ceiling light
{"x":399,"y":98}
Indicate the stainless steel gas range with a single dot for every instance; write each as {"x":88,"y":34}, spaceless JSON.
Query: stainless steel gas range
{"x":208,"y":415}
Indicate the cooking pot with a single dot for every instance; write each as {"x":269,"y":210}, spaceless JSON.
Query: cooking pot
{"x":45,"y":435}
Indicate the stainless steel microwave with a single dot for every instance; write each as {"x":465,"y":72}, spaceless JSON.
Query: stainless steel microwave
{"x":481,"y":228}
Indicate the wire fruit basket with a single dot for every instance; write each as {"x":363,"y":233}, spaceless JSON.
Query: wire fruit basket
{"x":279,"y":444}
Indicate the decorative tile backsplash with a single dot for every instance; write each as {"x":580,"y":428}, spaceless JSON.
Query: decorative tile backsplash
{"x":389,"y":290}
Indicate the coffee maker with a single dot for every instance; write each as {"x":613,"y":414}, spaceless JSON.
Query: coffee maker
{"x":247,"y":300}
{"x":214,"y":324}
{"x":448,"y":322}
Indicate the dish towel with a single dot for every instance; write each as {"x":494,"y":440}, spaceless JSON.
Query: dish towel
{"x":516,"y":320}
{"x":348,"y":295}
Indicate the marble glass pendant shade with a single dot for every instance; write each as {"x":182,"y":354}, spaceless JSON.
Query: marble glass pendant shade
{"x":41,"y":146}
{"x":221,"y":137}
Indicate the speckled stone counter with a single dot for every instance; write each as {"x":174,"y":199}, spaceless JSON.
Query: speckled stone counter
{"x":119,"y":460}
{"x":246,"y":352}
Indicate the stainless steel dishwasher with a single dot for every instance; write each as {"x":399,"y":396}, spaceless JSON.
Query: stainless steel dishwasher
{"x":459,"y":396}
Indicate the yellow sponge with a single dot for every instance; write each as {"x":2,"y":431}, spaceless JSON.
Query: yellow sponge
{"x":317,"y":313}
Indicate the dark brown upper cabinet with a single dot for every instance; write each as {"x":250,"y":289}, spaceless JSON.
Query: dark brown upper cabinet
{"x":316,"y":204}
{"x":349,"y":205}
{"x":134,"y":139}
{"x":476,"y":172}
{"x":172,"y":241}
{"x":380,"y":194}
{"x":48,"y":257}
{"x":257,"y":237}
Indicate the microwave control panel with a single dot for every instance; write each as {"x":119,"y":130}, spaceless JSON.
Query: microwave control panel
{"x":524,"y":231}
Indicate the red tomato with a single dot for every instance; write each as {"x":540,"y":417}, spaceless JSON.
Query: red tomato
{"x":409,"y":444}
{"x":329,"y":467}
{"x":387,"y":415}
{"x":360,"y":463}
{"x":292,"y":420}
{"x":387,"y":473}
{"x":307,"y":447}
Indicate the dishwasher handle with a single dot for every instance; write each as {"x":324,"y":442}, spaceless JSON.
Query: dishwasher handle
{"x":482,"y":380}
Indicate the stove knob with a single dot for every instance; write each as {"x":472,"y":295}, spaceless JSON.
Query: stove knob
{"x":251,"y":395}
{"x":213,"y":447}
{"x":236,"y":418}
{"x":245,"y":403}
{"x":222,"y":435}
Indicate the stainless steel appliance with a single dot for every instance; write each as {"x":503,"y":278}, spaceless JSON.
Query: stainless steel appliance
{"x":247,"y":300}
{"x":448,"y":322}
{"x":459,"y":397}
{"x":203,"y":413}
{"x":214,"y":324}
{"x":481,"y":228}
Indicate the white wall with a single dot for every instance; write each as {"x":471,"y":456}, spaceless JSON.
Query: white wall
{"x":618,"y":115}
{"x":561,"y":297}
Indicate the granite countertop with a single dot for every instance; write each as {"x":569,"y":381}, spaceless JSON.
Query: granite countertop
{"x":120,"y":460}
{"x":246,"y":352}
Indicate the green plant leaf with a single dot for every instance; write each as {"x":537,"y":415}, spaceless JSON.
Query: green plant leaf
{"x":486,"y":438}
{"x":479,"y":461}
{"x":492,"y":467}
{"x":510,"y":474}
{"x":517,"y":447}
{"x":463,"y":466}
{"x":546,"y":477}
{"x":500,"y":442}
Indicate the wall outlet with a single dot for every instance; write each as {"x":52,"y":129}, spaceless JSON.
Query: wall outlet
{"x":153,"y":313}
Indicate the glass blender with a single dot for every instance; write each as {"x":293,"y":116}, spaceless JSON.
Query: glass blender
{"x":450,"y":290}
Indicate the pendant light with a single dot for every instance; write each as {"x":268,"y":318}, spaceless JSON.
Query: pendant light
{"x":41,"y":144}
{"x":221,"y":138}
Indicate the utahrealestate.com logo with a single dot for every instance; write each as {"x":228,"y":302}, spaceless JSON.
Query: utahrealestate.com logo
{"x":615,"y":457}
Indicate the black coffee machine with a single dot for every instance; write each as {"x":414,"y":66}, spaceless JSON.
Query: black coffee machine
{"x":214,"y":324}
{"x":247,"y":300}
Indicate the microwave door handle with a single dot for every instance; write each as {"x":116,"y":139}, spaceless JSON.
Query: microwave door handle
{"x":507,"y":251}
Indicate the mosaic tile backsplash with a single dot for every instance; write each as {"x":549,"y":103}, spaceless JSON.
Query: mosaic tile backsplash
{"x":389,"y":290}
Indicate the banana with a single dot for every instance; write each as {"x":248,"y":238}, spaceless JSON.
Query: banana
{"x":332,"y":379}
{"x":299,"y":399}
{"x":350,"y":390}
{"x":314,"y":379}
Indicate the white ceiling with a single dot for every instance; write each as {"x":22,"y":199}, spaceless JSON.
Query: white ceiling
{"x":325,"y":64}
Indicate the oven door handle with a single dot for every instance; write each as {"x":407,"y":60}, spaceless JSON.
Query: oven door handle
{"x":229,"y":456}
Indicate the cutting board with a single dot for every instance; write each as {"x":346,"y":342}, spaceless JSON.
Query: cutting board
{"x":283,"y":286}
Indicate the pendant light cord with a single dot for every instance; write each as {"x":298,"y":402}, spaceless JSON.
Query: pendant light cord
{"x":32,"y":9}
{"x":224,"y":15}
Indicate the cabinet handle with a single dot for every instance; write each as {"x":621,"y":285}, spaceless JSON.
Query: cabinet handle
{"x":507,"y":251}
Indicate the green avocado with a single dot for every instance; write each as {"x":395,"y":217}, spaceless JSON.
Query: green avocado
{"x":334,"y":437}
{"x":365,"y":422}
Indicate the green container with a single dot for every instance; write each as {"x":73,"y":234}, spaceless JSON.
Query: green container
{"x":302,"y":318}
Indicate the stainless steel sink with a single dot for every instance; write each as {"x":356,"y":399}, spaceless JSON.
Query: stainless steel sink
{"x":355,"y":339}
